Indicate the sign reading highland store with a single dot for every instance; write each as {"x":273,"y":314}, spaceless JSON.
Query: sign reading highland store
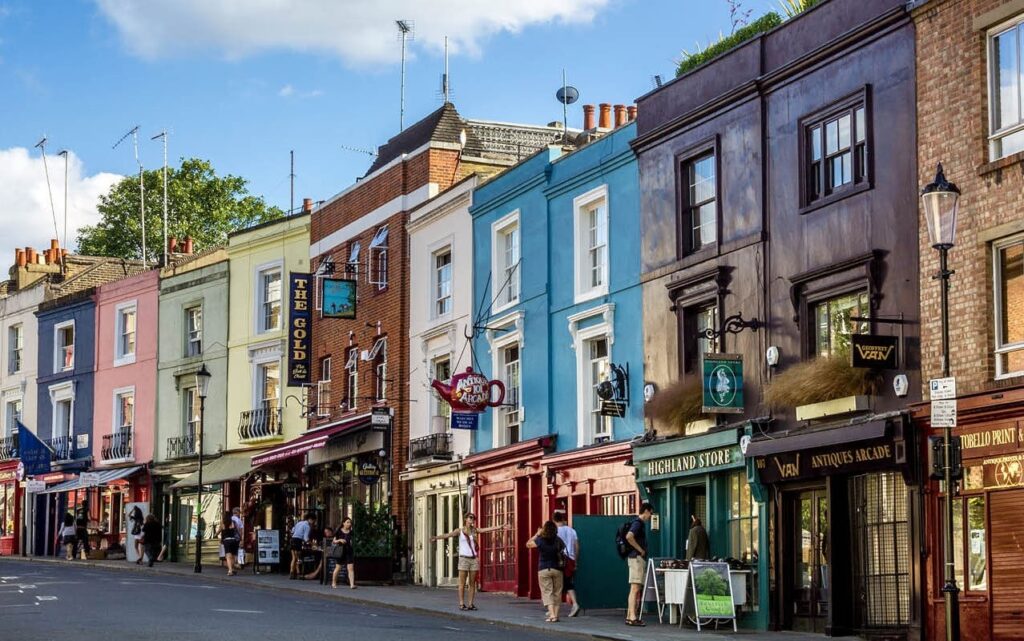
{"x":299,"y":335}
{"x":702,"y":461}
{"x":723,"y":384}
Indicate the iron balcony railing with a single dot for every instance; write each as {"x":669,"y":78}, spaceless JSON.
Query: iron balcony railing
{"x":434,"y":447}
{"x":260,"y":424}
{"x":181,"y":446}
{"x":117,"y":446}
{"x":9,"y":447}
{"x":63,"y":447}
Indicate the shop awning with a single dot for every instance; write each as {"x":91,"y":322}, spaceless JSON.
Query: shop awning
{"x":818,"y":438}
{"x":226,"y":468}
{"x":311,"y":440}
{"x":104,"y":476}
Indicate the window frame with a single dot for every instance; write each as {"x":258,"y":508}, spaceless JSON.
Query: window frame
{"x":848,"y":103}
{"x":189,"y":340}
{"x":261,"y":299}
{"x":121,"y":311}
{"x":998,"y":347}
{"x":352,"y":378}
{"x":689,"y":350}
{"x":116,"y":418}
{"x":438,"y":406}
{"x":10,"y":426}
{"x":582,"y":206}
{"x":436,"y":298}
{"x":377,"y":259}
{"x":588,"y":389}
{"x":824,"y":296}
{"x":379,"y":356}
{"x":58,"y":349}
{"x":500,"y":229}
{"x":323,"y":388}
{"x":500,"y":436}
{"x":962,"y":559}
{"x":684,"y":218}
{"x":15,"y":348}
{"x":190,"y":426}
{"x":995,"y":137}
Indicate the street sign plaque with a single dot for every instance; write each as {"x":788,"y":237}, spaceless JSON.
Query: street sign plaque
{"x":943,"y":413}
{"x":942,"y":389}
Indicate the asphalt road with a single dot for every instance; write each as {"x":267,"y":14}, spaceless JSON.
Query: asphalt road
{"x":55,"y":602}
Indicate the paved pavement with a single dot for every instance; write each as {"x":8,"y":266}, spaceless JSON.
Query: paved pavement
{"x":135,"y":599}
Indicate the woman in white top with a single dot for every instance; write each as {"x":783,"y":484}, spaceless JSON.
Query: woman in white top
{"x":469,"y":555}
{"x":68,"y":537}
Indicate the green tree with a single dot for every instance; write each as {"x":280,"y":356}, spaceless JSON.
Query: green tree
{"x":200,"y":204}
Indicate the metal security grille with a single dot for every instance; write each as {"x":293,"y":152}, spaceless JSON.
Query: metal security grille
{"x":882,"y":550}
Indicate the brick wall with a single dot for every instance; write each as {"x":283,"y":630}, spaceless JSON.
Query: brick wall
{"x":953,"y":129}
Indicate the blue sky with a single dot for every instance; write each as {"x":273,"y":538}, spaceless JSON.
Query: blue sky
{"x":242,"y":86}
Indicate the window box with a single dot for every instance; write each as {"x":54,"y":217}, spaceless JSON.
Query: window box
{"x":835,"y":407}
{"x":699,"y":427}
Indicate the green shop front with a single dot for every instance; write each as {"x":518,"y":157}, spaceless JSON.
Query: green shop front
{"x":706,"y":476}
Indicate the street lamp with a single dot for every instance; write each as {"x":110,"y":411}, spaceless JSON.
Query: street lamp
{"x":202,"y":387}
{"x":940,"y":199}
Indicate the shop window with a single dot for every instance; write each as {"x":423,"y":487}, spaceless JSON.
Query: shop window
{"x":194,"y":331}
{"x":744,"y":520}
{"x":835,"y":150}
{"x":7,"y":509}
{"x":499,"y":547}
{"x":622,"y":504}
{"x":970,"y":543}
{"x":1008,"y":286}
{"x":834,"y":323}
{"x":15,"y":347}
{"x":881,"y":550}
{"x":1006,"y":118}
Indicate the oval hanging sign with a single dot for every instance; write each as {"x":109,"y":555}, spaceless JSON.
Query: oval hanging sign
{"x":369,"y":472}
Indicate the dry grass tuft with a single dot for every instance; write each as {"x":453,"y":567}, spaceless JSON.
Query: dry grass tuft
{"x":678,"y":404}
{"x":818,"y":380}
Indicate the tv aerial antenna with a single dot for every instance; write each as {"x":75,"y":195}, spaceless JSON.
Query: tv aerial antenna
{"x":163,"y":135}
{"x":64,"y":152}
{"x":566,"y":95}
{"x":134,"y":133}
{"x":41,"y":146}
{"x":406,"y":32}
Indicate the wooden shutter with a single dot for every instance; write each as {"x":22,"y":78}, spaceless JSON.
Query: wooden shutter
{"x":1007,"y":563}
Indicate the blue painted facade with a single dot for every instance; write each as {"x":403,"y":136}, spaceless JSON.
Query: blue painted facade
{"x":553,"y":320}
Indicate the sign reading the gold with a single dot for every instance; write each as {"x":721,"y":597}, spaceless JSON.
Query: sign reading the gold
{"x":684,"y":463}
{"x":299,"y":334}
{"x":874,"y":352}
{"x":788,"y":466}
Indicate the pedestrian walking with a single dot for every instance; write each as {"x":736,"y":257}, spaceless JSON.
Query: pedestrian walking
{"x":82,"y":536}
{"x":345,"y":554}
{"x":229,"y":538}
{"x":469,"y":558}
{"x":550,"y":564}
{"x":68,"y":537}
{"x":636,"y":540}
{"x":572,"y":550}
{"x":300,"y":538}
{"x":152,"y":537}
{"x":236,"y":517}
{"x":697,"y":545}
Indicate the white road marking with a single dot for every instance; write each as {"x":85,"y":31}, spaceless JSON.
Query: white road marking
{"x":173,"y":585}
{"x":447,"y":627}
{"x":8,"y":578}
{"x":20,"y":605}
{"x":46,"y":598}
{"x":239,"y":611}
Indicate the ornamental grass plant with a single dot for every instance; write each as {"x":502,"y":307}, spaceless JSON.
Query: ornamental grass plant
{"x":680,"y":403}
{"x":818,"y":380}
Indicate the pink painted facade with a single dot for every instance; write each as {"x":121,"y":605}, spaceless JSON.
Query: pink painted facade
{"x":124,"y":409}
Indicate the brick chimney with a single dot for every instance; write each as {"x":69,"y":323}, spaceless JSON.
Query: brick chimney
{"x":604,"y":121}
{"x":588,"y":117}
{"x":31,"y":266}
{"x":620,"y":115}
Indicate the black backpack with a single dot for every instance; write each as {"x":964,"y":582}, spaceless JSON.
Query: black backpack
{"x":621,"y":545}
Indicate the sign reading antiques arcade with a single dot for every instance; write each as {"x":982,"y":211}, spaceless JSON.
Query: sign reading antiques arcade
{"x":843,"y":459}
{"x":874,"y":352}
{"x":723,"y":383}
{"x":299,"y":338}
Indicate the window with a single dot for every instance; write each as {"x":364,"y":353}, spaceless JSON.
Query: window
{"x":441,"y":371}
{"x":64,"y":346}
{"x":1008,"y":272}
{"x":62,"y":418}
{"x":833,"y":325}
{"x":352,"y":378}
{"x":600,"y":427}
{"x":12,"y":414}
{"x":743,"y":520}
{"x":352,"y":268}
{"x":443,"y":283}
{"x":622,"y":504}
{"x":505,"y":268}
{"x":379,"y":356}
{"x":124,"y":416}
{"x":190,"y":412}
{"x":193,"y":331}
{"x":699,"y":225}
{"x":1006,"y":120}
{"x":509,"y":415}
{"x":836,"y":150}
{"x":15,"y":345}
{"x":379,"y":259}
{"x":696,"y":320}
{"x":323,"y":388}
{"x":125,"y":347}
{"x":882,"y":550}
{"x":269,"y":379}
{"x":591,"y":226}
{"x":269,"y":300}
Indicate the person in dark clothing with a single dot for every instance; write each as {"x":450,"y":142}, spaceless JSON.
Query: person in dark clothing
{"x":549,"y":567}
{"x":152,"y":538}
{"x":343,"y":538}
{"x":230,"y":537}
{"x":697,"y":545}
{"x":82,"y":534}
{"x":636,"y":539}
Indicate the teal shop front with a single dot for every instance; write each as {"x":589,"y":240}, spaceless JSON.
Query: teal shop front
{"x":705,"y":475}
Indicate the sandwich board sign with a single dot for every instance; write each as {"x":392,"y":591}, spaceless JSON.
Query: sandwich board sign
{"x":712,"y":592}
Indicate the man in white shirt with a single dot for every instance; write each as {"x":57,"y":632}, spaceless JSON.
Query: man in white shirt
{"x":572,"y":550}
{"x":300,"y":537}
{"x":236,"y":518}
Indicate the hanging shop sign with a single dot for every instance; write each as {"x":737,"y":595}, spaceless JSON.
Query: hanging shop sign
{"x":614,"y":393}
{"x":616,"y":409}
{"x":368,"y":473}
{"x":380,"y":418}
{"x":723,"y":384}
{"x":860,"y":457}
{"x":339,"y":297}
{"x":89,"y":479}
{"x":874,"y":352}
{"x":693,"y":462}
{"x":465,"y":420}
{"x":470,"y":391}
{"x":1004,"y":471}
{"x":712,"y":590}
{"x":268,"y":547}
{"x":299,"y":330}
{"x":35,"y":455}
{"x":33,"y":487}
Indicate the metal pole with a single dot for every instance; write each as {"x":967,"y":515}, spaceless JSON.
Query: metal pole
{"x":949,"y":590}
{"x":164,"y":134}
{"x":199,"y":490}
{"x":401,"y":107}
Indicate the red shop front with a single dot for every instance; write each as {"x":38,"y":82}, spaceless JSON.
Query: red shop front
{"x":10,"y":509}
{"x":593,"y":480}
{"x":509,"y":486}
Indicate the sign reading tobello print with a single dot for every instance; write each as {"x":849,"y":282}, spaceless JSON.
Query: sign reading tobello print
{"x":723,"y":383}
{"x":299,"y":331}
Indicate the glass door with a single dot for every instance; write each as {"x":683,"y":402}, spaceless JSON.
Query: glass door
{"x":446,"y":561}
{"x":811,"y":572}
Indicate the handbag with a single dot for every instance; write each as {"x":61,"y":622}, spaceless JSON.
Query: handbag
{"x":336,"y":552}
{"x":563,"y":557}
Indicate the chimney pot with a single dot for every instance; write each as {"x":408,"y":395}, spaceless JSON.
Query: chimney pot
{"x":19,"y":257}
{"x":604,"y":121}
{"x":54,"y":244}
{"x":188,"y":245}
{"x":172,"y":244}
{"x":631,"y":112}
{"x":307,"y":205}
{"x":47,"y":256}
{"x":30,"y":254}
{"x":588,"y":117}
{"x":620,"y":115}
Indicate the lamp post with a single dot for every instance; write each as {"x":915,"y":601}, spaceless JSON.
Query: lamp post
{"x":940,"y":200}
{"x":202,"y":387}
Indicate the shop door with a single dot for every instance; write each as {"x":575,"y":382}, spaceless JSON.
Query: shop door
{"x":1007,"y":565}
{"x":447,"y":517}
{"x":810,"y":571}
{"x":693,"y":501}
{"x":498,"y":548}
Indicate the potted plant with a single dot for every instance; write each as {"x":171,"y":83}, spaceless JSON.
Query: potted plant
{"x":821,"y":387}
{"x":372,"y":538}
{"x":680,"y":408}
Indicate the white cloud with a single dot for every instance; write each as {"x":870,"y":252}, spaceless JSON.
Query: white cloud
{"x":358,"y":32}
{"x":25,"y":215}
{"x":286,"y":91}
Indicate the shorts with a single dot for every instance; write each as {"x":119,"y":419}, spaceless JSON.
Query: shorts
{"x":295,"y":545}
{"x":567,"y":582}
{"x":230,"y":546}
{"x":469,"y":564}
{"x":636,"y":570}
{"x":70,"y":539}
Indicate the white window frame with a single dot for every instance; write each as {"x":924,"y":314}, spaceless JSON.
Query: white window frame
{"x":58,"y":353}
{"x":499,"y":229}
{"x":435,"y":283}
{"x":187,"y":311}
{"x":352,"y":378}
{"x":995,"y":137}
{"x":190,"y":426}
{"x":324,"y":383}
{"x":15,"y":348}
{"x":499,"y":434}
{"x":605,"y":328}
{"x":997,"y":299}
{"x":259,"y":324}
{"x":257,"y":381}
{"x":59,"y":393}
{"x":115,"y":415}
{"x":582,"y":205}
{"x":377,"y":259}
{"x":10,"y":426}
{"x":120,"y":356}
{"x":438,"y":406}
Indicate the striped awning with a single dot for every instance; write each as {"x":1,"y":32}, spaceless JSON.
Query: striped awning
{"x":103,"y":476}
{"x":311,"y":440}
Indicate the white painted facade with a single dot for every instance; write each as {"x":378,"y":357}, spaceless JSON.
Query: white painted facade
{"x":17,"y":309}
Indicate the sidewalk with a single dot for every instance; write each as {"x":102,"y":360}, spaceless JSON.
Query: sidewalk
{"x":498,"y":609}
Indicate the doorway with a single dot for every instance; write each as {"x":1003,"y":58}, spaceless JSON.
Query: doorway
{"x":693,"y":501}
{"x":807,"y":525}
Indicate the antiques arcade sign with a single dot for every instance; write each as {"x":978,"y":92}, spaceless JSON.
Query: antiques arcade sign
{"x":859,"y":457}
{"x":299,"y":331}
{"x":692,"y":462}
{"x":470,"y":391}
{"x":874,"y":352}
{"x":723,"y":384}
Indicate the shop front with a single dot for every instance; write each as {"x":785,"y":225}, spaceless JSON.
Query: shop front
{"x":188,"y":517}
{"x":594,"y":480}
{"x":440,"y":500}
{"x":705,"y":476}
{"x":11,"y":493}
{"x":845,"y":527}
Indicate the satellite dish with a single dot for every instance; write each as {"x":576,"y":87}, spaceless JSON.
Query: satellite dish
{"x":567,"y":95}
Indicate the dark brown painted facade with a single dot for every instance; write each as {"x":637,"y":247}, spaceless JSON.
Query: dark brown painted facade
{"x":778,"y":254}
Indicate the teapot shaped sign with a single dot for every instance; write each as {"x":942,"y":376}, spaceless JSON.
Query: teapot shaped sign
{"x":470,"y":391}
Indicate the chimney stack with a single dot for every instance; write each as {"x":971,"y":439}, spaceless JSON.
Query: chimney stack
{"x":307,"y":205}
{"x":604,"y":121}
{"x":620,"y":115}
{"x":588,"y":117}
{"x":631,"y":112}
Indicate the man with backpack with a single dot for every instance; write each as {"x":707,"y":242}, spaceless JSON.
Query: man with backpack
{"x":634,"y":546}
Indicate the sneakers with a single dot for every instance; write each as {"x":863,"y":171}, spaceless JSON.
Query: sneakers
{"x":575,"y":611}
